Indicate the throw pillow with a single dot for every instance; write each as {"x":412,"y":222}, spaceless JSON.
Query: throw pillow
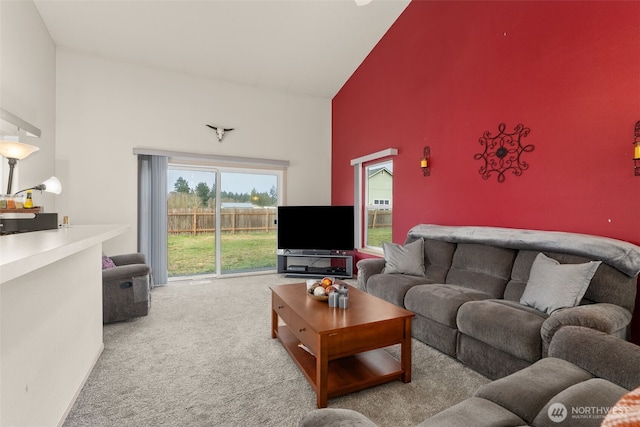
{"x":552,"y":285}
{"x":407,"y":259}
{"x":107,"y":262}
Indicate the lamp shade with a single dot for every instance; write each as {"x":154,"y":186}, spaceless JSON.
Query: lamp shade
{"x":52,"y":185}
{"x":16,"y":150}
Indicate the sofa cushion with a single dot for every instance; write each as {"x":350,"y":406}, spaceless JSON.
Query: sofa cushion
{"x":527,"y":391}
{"x":520,"y":274}
{"x":506,"y":325}
{"x":584,"y":404}
{"x":392,"y":287}
{"x":407,"y":259}
{"x":481,"y":267}
{"x":441,"y":302}
{"x":438,"y":256}
{"x":552,"y":286}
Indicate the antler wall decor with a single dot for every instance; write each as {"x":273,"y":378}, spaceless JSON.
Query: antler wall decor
{"x":220,"y":131}
{"x":502,"y":152}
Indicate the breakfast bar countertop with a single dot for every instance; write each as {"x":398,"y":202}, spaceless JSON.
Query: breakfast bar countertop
{"x":23,"y":253}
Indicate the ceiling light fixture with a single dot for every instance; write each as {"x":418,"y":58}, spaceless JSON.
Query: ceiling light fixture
{"x":362,"y":2}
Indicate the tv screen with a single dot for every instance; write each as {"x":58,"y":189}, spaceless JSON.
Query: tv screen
{"x":316,"y":228}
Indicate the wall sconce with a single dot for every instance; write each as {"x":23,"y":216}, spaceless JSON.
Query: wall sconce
{"x":14,"y":150}
{"x":425,"y":162}
{"x":636,"y":149}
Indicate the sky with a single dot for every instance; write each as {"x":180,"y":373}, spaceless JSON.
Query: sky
{"x":231,"y":182}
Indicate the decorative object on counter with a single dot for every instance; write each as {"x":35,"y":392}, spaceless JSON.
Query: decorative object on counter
{"x":14,"y":150}
{"x":636,"y":149}
{"x":28,"y":203}
{"x":25,"y":220}
{"x":425,"y":162}
{"x":503,"y":152}
{"x":16,"y":218}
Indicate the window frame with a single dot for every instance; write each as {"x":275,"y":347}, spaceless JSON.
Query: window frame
{"x":359,"y":166}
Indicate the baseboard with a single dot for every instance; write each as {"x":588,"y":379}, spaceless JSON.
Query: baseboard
{"x":77,"y":393}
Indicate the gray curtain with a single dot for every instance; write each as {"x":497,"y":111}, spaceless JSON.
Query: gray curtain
{"x":152,"y":213}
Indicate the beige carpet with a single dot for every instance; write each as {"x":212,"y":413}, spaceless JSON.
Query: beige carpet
{"x":204,"y":357}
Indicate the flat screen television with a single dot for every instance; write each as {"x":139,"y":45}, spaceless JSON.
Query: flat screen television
{"x":321,"y":228}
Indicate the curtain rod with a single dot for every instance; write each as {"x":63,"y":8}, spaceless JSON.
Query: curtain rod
{"x":212,"y":157}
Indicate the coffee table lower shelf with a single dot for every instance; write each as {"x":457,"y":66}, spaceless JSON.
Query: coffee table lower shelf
{"x":346,"y":374}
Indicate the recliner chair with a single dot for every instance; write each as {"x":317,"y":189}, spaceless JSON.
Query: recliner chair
{"x":126,"y":288}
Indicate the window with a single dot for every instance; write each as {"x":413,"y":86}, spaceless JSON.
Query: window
{"x":378,"y":195}
{"x":373,"y":198}
{"x":152,"y":211}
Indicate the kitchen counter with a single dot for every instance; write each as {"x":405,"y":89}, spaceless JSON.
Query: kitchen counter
{"x":50,"y":320}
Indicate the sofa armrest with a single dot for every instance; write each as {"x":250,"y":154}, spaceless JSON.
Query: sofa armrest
{"x":133,"y":258}
{"x":607,"y":318}
{"x":124,"y":272}
{"x":599,"y":353}
{"x":367,"y":268}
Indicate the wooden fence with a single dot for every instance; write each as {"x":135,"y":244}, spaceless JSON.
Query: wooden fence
{"x":380,"y":218}
{"x":238,"y":220}
{"x":233,"y":220}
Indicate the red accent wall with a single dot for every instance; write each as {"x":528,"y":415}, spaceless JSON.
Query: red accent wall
{"x":447,"y":71}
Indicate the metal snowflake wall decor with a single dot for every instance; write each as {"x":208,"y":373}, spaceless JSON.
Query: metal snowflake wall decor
{"x":502,"y":152}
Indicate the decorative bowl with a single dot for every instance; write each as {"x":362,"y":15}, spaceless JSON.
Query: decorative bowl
{"x":325,"y":297}
{"x":319,"y":298}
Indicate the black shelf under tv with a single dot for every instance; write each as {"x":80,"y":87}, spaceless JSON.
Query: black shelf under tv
{"x":304,"y":263}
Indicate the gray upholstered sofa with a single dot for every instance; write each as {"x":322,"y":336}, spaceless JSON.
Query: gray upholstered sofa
{"x":586,"y":373}
{"x":486,"y":296}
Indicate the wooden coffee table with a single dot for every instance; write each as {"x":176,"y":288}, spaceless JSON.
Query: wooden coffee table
{"x":344,"y":345}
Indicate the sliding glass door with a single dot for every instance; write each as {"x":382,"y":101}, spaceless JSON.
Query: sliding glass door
{"x":191,"y":228}
{"x":248,"y":207}
{"x":221,"y":220}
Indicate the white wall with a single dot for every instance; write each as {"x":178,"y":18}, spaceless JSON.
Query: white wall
{"x":27,"y":90}
{"x":106,"y":108}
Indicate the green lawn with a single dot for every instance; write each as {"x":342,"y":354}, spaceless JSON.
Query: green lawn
{"x":378,"y":235}
{"x":191,"y":255}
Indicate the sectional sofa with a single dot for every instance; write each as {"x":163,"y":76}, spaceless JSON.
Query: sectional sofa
{"x":494,"y":297}
{"x":586,"y":374}
{"x":545,"y":314}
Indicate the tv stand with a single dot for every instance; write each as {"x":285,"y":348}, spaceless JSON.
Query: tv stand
{"x":312,"y":264}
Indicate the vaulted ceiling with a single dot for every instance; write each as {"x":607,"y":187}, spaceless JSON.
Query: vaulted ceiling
{"x":305,"y":47}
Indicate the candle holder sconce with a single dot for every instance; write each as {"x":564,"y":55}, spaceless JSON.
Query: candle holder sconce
{"x":503,"y":152}
{"x":636,"y":149}
{"x":425,"y":162}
